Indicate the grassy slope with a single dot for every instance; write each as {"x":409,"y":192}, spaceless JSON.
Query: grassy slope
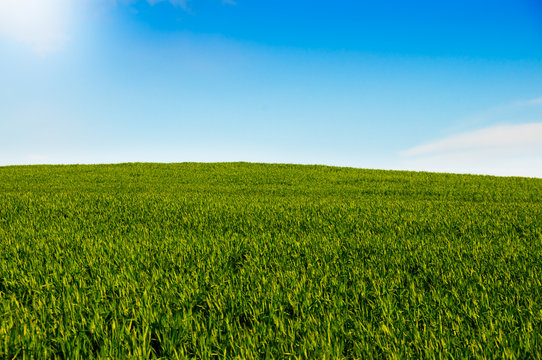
{"x":248,"y":260}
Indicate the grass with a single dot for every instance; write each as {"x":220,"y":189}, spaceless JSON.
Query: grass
{"x":238,"y":260}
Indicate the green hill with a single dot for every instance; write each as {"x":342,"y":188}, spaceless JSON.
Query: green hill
{"x":267,"y":261}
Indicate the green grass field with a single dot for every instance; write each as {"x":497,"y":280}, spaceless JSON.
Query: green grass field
{"x":240,"y":260}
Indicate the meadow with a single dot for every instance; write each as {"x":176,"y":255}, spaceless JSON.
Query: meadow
{"x":238,"y":260}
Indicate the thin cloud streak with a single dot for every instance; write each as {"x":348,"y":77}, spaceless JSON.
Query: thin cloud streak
{"x":181,"y":3}
{"x":537,"y":101}
{"x":504,"y":150}
{"x":524,"y":136}
{"x":184,"y":3}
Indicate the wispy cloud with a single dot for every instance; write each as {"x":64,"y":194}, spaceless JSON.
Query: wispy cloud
{"x":184,"y":3}
{"x":537,"y":101}
{"x":513,"y":137}
{"x":510,"y":150}
{"x":181,"y":3}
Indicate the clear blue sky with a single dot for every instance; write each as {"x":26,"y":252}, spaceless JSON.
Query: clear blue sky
{"x":425,"y":85}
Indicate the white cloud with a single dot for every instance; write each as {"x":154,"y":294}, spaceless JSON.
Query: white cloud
{"x":509,"y":150}
{"x":41,"y":24}
{"x":513,"y":137}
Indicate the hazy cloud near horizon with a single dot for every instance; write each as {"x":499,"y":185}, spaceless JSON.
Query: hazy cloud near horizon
{"x":513,"y":138}
{"x":503,"y":146}
{"x":496,"y":150}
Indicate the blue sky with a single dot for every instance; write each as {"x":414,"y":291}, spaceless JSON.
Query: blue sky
{"x":452,"y":86}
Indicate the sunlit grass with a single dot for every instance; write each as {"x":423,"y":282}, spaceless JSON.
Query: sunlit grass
{"x":255,"y":261}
